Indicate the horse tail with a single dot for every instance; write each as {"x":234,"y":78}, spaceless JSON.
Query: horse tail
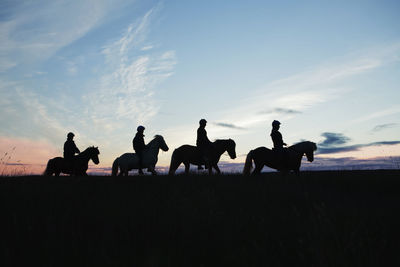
{"x":115,"y":166}
{"x":248,"y":163}
{"x":174,"y":163}
{"x":48,"y":171}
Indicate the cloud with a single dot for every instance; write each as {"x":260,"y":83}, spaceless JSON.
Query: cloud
{"x":126,"y":89}
{"x":381,"y":127}
{"x":302,"y":91}
{"x":332,"y":150}
{"x":228,"y":125}
{"x":147,"y":47}
{"x":281,"y":111}
{"x":333,"y":139}
{"x":381,"y":113}
{"x":33,"y":31}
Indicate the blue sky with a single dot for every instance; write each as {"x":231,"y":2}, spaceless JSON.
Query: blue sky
{"x":328,"y":70}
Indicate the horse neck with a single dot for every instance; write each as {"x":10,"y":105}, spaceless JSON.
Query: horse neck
{"x":220,"y":146}
{"x":298,"y":147}
{"x":153,"y":146}
{"x":85,"y":155}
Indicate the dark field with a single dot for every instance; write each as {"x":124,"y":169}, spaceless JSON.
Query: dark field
{"x":317,"y":219}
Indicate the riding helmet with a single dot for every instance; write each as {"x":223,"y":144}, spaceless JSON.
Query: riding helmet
{"x":140,"y":128}
{"x":70,"y":135}
{"x":202,"y":121}
{"x":275,"y":123}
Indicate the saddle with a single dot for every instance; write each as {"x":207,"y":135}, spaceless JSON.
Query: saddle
{"x":281,"y":156}
{"x":69,"y":163}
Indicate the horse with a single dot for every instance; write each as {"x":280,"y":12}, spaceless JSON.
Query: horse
{"x":188,"y":154}
{"x":130,"y":161}
{"x":264,"y":156}
{"x":78,"y":166}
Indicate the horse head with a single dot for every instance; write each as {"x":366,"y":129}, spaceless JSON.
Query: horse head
{"x":94,"y":155}
{"x":310,"y":152}
{"x":161,"y":143}
{"x":231,"y":148}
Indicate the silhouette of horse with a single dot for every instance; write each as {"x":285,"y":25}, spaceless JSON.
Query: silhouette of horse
{"x":264,"y":156}
{"x":188,"y":154}
{"x":130,"y":161}
{"x":78,"y":166}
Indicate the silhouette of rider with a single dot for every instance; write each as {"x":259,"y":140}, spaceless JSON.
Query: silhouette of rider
{"x":277,"y":136}
{"x":70,"y":148}
{"x":278,"y":141}
{"x":203,"y":143}
{"x":139,"y":146}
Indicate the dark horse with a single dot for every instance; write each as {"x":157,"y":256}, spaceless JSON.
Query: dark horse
{"x":264,"y":156}
{"x":78,"y":166}
{"x":188,"y":154}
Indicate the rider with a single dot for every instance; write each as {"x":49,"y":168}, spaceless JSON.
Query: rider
{"x":70,"y":148}
{"x":202,"y":142}
{"x":139,"y":145}
{"x":278,"y":141}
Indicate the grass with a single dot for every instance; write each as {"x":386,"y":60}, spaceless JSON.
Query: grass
{"x":341,"y":218}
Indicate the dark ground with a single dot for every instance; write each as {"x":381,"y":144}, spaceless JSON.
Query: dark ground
{"x":347,"y":218}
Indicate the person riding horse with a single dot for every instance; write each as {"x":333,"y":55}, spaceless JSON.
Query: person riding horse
{"x":203,"y":143}
{"x":139,"y":146}
{"x":70,"y":149}
{"x":278,"y":142}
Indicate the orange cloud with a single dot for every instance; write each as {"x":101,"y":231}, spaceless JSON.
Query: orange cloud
{"x":21,"y":156}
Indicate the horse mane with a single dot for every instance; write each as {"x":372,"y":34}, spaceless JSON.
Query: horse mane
{"x":156,"y":137}
{"x":224,"y":140}
{"x":305,"y":146}
{"x":87,"y":150}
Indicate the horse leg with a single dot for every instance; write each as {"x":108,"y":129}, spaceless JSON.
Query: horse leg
{"x":217,"y":169}
{"x":258,"y":168}
{"x":187,"y":167}
{"x":152,"y":170}
{"x":56,"y":174}
{"x":210,"y":169}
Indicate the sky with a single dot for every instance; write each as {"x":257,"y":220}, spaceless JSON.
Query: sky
{"x":329,"y":71}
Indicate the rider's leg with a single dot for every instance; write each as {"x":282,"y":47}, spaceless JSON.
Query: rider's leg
{"x":140,"y":155}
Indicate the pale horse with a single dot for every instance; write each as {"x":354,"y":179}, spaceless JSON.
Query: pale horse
{"x":130,"y":161}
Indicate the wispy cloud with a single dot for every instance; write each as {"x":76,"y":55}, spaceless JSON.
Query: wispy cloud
{"x":34,"y":31}
{"x":126,"y":89}
{"x":228,"y":125}
{"x":381,"y":113}
{"x":381,"y":127}
{"x":297,"y":93}
{"x":281,"y":111}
